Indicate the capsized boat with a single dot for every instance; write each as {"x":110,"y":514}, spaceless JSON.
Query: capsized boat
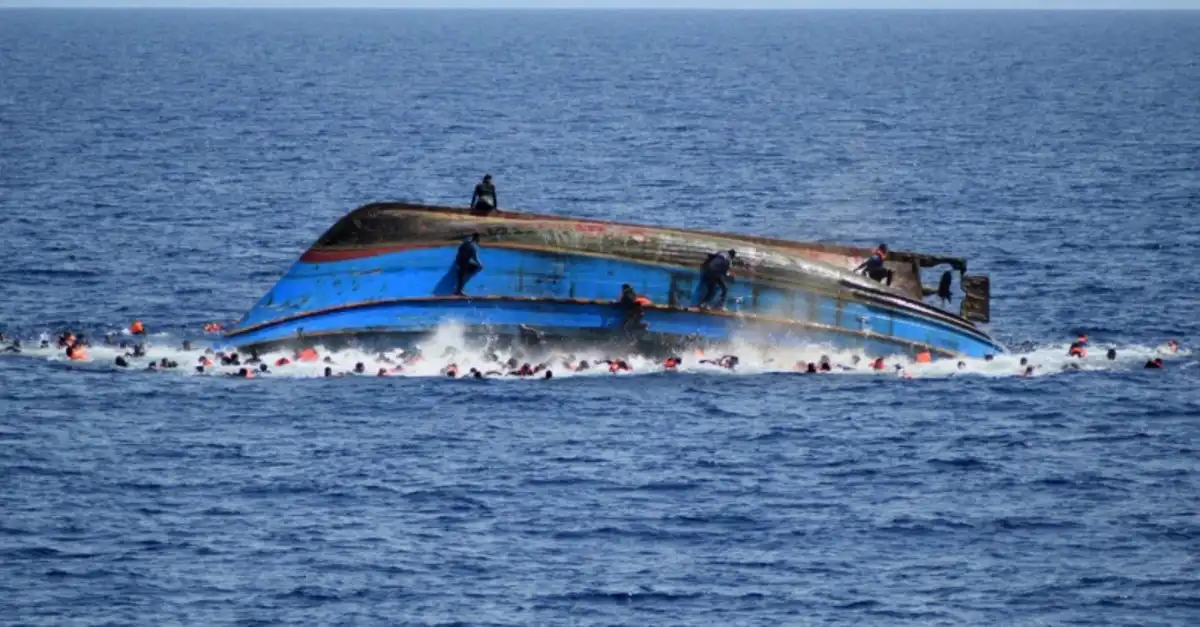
{"x":388,"y":269}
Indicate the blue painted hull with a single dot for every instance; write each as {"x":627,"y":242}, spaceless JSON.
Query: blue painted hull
{"x":571,"y":295}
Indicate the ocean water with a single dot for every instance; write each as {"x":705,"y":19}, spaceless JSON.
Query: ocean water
{"x":169,"y":165}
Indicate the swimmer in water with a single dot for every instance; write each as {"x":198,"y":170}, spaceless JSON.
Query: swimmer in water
{"x":328,"y":371}
{"x":121,"y":362}
{"x":15,"y":347}
{"x":1172,"y":346}
{"x":1155,"y":363}
{"x":187,"y":345}
{"x":549,"y":374}
{"x":1077,"y":350}
{"x":1112,"y":354}
{"x":262,"y":368}
{"x":360,"y":368}
{"x":76,"y":352}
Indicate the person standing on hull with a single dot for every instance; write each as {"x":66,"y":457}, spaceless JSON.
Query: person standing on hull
{"x":712,"y":277}
{"x":484,"y":198}
{"x":874,"y":267}
{"x":467,"y":262}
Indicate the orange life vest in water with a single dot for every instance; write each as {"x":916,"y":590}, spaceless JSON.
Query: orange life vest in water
{"x":137,"y":327}
{"x":924,"y":357}
{"x":307,"y":354}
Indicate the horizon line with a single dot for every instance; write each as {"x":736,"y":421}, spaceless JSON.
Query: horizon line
{"x":370,"y":7}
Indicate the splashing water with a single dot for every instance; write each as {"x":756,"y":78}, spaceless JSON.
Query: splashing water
{"x":448,"y":347}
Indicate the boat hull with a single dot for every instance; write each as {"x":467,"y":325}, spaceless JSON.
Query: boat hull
{"x":399,"y":280}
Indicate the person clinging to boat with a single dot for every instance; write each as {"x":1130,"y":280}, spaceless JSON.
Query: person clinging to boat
{"x":634,"y":308}
{"x":484,"y":198}
{"x":874,"y":267}
{"x":467,"y":262}
{"x":712,"y":277}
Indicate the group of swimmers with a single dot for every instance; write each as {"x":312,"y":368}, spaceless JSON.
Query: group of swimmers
{"x":1079,"y":350}
{"x":75,"y":347}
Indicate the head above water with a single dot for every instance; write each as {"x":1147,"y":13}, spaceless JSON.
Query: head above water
{"x":883,"y":248}
{"x":487,"y":178}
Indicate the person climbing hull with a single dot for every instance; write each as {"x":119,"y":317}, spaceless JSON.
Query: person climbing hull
{"x":390,"y":268}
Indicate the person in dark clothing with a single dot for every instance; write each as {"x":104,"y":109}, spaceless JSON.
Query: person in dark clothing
{"x":874,"y":266}
{"x":634,"y":310}
{"x":484,"y":198}
{"x":712,"y":277}
{"x":467,"y":262}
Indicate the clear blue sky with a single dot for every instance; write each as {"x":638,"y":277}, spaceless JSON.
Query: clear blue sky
{"x":608,"y":4}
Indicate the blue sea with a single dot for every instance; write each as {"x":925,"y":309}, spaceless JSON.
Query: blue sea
{"x":168,"y":166}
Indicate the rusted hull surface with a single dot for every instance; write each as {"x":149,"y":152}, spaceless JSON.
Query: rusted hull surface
{"x":390,"y":268}
{"x":384,"y":226}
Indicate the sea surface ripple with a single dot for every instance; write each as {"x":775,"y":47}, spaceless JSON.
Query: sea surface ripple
{"x":170,"y":165}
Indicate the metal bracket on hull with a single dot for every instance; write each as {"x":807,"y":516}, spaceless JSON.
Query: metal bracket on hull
{"x":976,"y":305}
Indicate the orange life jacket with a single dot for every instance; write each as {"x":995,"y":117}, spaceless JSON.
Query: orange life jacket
{"x":137,"y":327}
{"x":642,"y":300}
{"x":924,"y":357}
{"x":307,"y":354}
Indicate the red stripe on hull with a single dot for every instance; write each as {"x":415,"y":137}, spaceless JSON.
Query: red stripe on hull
{"x":315,"y":255}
